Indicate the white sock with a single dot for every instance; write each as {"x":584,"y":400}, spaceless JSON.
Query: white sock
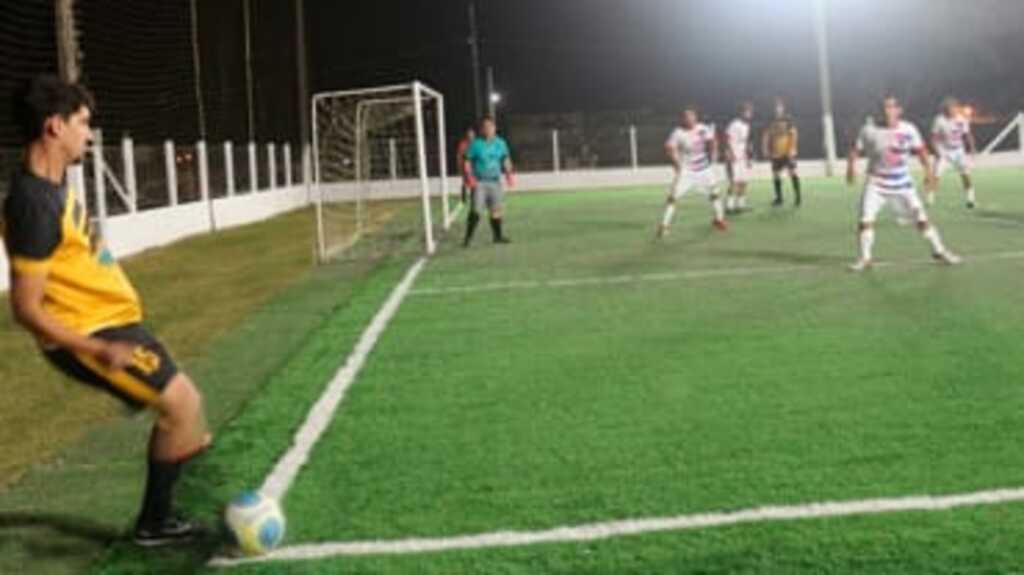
{"x":670,"y":212}
{"x":742,"y":201}
{"x":867,"y":242}
{"x":970,"y":194}
{"x":730,"y":202}
{"x":716,"y":204}
{"x":932,"y":235}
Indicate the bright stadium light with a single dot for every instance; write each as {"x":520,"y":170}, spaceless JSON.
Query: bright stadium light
{"x":495,"y":98}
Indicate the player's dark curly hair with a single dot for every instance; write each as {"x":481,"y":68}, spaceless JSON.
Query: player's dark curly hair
{"x":44,"y":97}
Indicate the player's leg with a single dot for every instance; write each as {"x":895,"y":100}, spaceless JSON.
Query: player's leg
{"x":680,"y":186}
{"x":731,"y":204}
{"x":496,"y":204}
{"x":794,"y":177}
{"x":777,"y":167}
{"x":912,"y":205}
{"x":964,"y":169}
{"x":179,"y":435}
{"x":709,"y":185}
{"x":938,"y":168}
{"x":871,"y":203}
{"x":742,"y":175}
{"x":477,"y":204}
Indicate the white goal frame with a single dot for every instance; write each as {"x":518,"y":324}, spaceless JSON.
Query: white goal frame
{"x":419,"y":94}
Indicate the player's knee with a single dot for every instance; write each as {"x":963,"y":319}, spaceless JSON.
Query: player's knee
{"x":180,"y":402}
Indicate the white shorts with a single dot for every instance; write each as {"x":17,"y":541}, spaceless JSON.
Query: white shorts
{"x":905,"y":202}
{"x":958,"y":160}
{"x":704,"y":182}
{"x":739,"y":172}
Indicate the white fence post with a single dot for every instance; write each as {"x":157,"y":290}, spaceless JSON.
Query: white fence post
{"x":99,"y":179}
{"x":287,"y":165}
{"x":1020,"y":132}
{"x":307,"y":170}
{"x":229,"y":169}
{"x":170,"y":165}
{"x":130,"y":181}
{"x":556,"y":156}
{"x":393,"y":158}
{"x":633,"y":156}
{"x":254,"y":184}
{"x":273,"y":166}
{"x":204,"y":171}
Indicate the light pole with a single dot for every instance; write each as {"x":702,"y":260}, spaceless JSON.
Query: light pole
{"x":821,"y":35}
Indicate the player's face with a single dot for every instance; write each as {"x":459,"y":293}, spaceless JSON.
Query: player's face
{"x":748,"y":112}
{"x":893,"y":111}
{"x":780,"y":109}
{"x":489,"y":130}
{"x":74,"y":133}
{"x":952,"y":108}
{"x":470,"y":134}
{"x":689,"y":118}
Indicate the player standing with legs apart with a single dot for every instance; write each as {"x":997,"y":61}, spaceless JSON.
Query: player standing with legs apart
{"x":739,"y":155}
{"x":779,"y":143}
{"x":693,"y":150}
{"x":487,"y":157}
{"x":460,"y":159}
{"x":888,"y":148}
{"x":70,"y":294}
{"x":953,"y":141}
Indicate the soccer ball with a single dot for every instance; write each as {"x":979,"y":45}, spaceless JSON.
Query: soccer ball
{"x":256,"y":521}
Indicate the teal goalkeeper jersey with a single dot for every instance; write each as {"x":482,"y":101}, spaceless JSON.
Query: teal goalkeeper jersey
{"x":487,"y":158}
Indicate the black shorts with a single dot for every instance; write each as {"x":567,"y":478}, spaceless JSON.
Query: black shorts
{"x":140,"y":384}
{"x":783,"y":164}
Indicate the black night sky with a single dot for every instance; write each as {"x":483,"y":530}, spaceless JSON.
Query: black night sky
{"x":557,"y":56}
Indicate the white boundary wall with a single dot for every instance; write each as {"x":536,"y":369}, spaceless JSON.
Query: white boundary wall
{"x":130,"y":234}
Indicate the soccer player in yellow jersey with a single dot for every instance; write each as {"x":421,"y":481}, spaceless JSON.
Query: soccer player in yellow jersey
{"x":780,"y":143}
{"x":70,"y":294}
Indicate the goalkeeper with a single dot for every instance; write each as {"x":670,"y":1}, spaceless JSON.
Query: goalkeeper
{"x":486,"y":160}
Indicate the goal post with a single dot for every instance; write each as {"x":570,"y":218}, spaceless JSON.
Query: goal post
{"x":380,"y":167}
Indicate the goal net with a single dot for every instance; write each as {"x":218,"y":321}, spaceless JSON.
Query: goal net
{"x":380,"y":170}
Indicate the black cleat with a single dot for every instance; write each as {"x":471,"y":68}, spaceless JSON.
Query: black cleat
{"x":172,"y":531}
{"x":776,"y":203}
{"x":970,"y":205}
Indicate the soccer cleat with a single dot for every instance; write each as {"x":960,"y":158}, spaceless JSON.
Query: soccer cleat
{"x":777,"y":202}
{"x":947,"y":257}
{"x":970,"y":205}
{"x":662,"y":231}
{"x":720,"y":225}
{"x":172,"y":531}
{"x":861,"y":265}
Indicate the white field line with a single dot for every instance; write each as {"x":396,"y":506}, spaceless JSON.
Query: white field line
{"x":699,"y":274}
{"x":630,"y":527}
{"x":276,"y":484}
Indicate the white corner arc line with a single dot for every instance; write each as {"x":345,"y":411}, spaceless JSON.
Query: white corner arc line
{"x":631,"y":527}
{"x":276,"y":484}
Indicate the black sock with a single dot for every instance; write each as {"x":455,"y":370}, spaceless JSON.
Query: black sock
{"x":496,"y":228}
{"x":471,"y":222}
{"x":778,"y":189}
{"x":157,"y":502}
{"x":796,"y":187}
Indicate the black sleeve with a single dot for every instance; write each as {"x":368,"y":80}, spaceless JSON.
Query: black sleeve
{"x":32,"y":226}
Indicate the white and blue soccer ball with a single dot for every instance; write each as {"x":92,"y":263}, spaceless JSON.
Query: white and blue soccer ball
{"x":256,"y":521}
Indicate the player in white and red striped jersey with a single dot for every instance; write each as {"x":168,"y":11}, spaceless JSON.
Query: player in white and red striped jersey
{"x":954,"y":145}
{"x":693,"y":150}
{"x":889,"y":147}
{"x":739,"y":156}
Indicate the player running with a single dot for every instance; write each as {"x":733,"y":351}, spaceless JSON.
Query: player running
{"x":693,"y":150}
{"x":954,"y":146}
{"x":739,"y":155}
{"x":486,"y":159}
{"x":71,"y":295}
{"x":460,"y":158}
{"x":780,"y":144}
{"x":888,"y":148}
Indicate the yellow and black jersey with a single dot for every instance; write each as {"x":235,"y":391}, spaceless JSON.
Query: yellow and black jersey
{"x":781,"y":138}
{"x":46,"y":231}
